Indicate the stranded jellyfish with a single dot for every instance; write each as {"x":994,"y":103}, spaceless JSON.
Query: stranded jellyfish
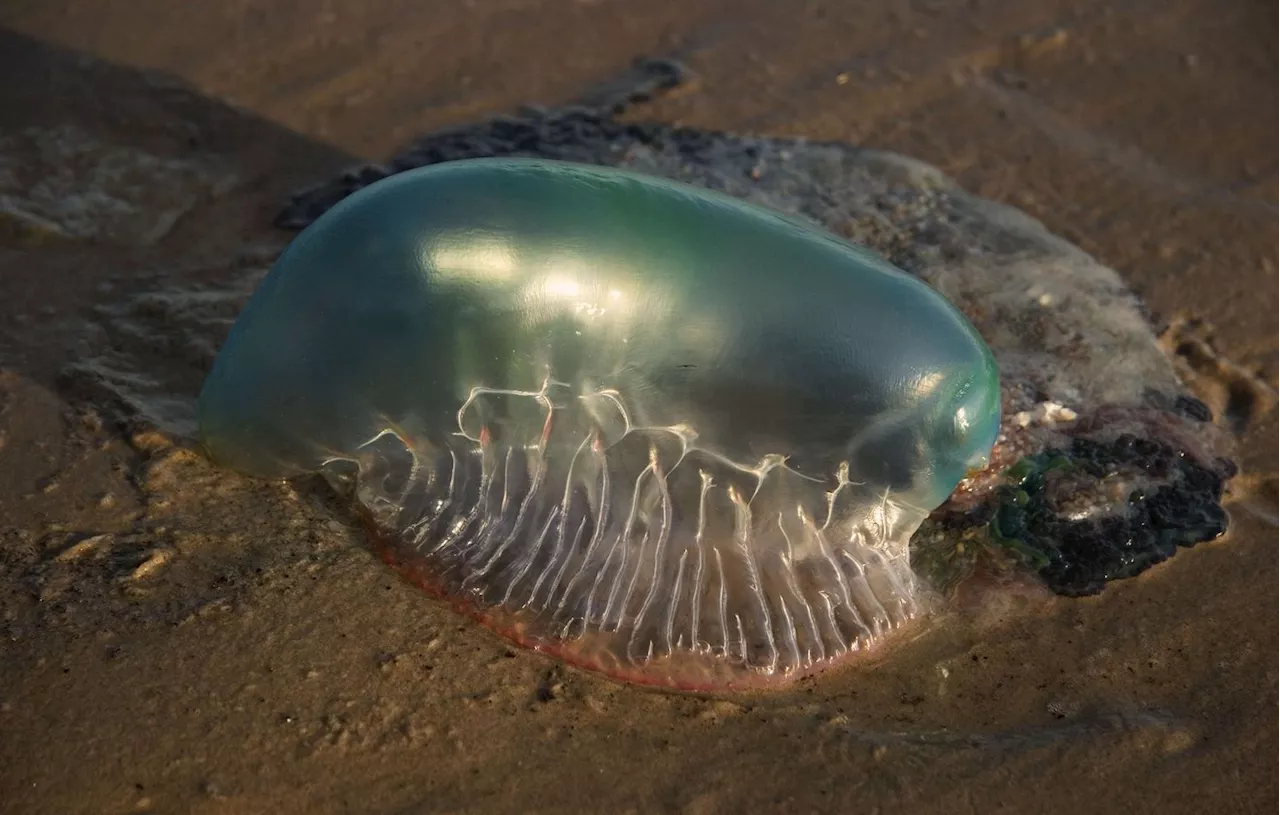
{"x":655,"y":430}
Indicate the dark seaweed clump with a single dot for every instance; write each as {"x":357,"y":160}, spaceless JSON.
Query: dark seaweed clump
{"x":1177,"y":504}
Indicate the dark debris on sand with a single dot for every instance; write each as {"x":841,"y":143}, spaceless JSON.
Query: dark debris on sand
{"x":1173,"y":501}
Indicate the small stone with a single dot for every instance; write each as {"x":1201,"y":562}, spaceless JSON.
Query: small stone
{"x":84,"y":547}
{"x":154,"y":562}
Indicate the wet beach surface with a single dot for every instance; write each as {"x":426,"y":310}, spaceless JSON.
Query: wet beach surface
{"x":180,"y":639}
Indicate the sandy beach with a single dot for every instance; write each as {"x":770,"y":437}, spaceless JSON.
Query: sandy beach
{"x":181,"y":639}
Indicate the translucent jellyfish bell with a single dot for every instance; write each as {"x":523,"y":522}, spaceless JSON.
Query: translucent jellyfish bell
{"x":658,"y":431}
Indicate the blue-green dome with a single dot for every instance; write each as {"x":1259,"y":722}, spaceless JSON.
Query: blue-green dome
{"x":563,"y":386}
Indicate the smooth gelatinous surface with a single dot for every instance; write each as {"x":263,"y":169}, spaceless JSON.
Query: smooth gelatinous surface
{"x":662,"y":432}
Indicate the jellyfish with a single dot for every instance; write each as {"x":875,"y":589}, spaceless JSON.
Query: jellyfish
{"x":658,"y":431}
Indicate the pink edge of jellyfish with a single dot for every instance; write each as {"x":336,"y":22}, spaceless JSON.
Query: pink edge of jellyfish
{"x":685,"y":671}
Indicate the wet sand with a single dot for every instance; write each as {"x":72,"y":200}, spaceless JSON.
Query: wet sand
{"x":178,"y":639}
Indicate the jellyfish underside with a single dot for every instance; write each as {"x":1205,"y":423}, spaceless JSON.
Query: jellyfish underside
{"x":628,"y":553}
{"x":655,"y":493}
